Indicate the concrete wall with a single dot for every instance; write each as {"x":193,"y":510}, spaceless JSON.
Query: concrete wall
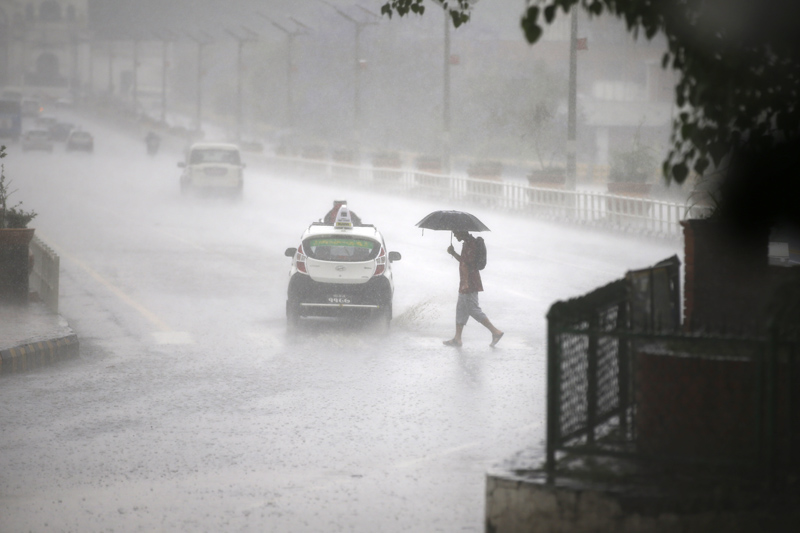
{"x":518,"y":505}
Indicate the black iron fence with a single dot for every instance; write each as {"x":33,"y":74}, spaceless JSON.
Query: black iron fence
{"x":623,"y":380}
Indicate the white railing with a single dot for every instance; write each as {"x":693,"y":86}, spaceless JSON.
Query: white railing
{"x":641,"y":215}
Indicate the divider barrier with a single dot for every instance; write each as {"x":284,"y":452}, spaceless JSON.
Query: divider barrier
{"x":643,"y":215}
{"x":44,"y":278}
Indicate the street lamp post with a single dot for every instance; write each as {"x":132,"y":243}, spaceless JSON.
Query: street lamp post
{"x":74,"y":74}
{"x":358,"y":26}
{"x":135,"y":74}
{"x":165,"y":39}
{"x":240,"y":42}
{"x":201,"y":44}
{"x":290,"y":35}
{"x":90,"y":87}
{"x":110,"y":68}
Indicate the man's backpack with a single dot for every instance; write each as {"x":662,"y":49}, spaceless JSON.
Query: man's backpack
{"x":480,"y":255}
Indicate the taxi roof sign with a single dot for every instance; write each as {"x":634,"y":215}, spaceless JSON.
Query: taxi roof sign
{"x":343,"y":220}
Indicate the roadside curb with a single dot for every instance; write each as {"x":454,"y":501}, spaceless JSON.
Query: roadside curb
{"x":37,"y":354}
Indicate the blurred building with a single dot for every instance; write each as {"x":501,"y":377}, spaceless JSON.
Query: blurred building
{"x":40,"y":45}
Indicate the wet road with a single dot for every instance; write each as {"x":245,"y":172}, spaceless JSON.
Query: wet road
{"x":191,"y":409}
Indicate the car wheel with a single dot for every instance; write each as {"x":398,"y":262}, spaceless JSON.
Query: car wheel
{"x":292,"y":314}
{"x":383,"y":317}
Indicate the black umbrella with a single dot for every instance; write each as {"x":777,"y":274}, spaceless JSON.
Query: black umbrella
{"x":452,"y":221}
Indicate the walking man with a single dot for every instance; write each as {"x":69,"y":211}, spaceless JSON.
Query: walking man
{"x":468,"y":289}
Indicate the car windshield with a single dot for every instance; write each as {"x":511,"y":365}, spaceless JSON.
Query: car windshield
{"x":341,"y":248}
{"x":37,"y":134}
{"x":212,"y":155}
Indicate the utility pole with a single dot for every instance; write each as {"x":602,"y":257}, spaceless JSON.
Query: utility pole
{"x":290,"y":35}
{"x":446,"y":117}
{"x":572,"y":101}
{"x":201,"y":44}
{"x":240,"y":42}
{"x":358,"y":26}
{"x":446,"y":123}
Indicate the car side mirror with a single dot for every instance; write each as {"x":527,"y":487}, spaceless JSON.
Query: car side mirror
{"x":290,"y":252}
{"x":394,"y":256}
{"x":181,"y":165}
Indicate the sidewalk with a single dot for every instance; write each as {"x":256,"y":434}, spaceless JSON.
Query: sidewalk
{"x":32,"y":335}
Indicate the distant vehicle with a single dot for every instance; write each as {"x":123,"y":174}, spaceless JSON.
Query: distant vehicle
{"x":340,"y":270}
{"x":45,"y":121}
{"x":212,"y":167}
{"x":37,"y":140}
{"x":31,"y":107}
{"x":10,"y":119}
{"x":80,"y":140}
{"x":59,"y":131}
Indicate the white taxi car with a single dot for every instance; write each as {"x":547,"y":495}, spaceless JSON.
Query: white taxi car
{"x":212,"y":167}
{"x":340,"y":270}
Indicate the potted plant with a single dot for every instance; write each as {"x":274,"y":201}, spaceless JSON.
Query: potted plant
{"x":15,"y":236}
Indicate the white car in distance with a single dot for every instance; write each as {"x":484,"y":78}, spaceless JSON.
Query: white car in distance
{"x":214,"y":168}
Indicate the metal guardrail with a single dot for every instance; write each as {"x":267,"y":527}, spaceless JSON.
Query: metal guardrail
{"x":44,"y":277}
{"x":621,"y":384}
{"x":623,"y":213}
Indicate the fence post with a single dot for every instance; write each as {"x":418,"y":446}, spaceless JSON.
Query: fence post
{"x":591,"y":378}
{"x":791,"y":414}
{"x":553,"y":394}
{"x":771,"y":392}
{"x":624,"y":362}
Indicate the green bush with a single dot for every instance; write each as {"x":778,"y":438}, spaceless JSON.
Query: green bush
{"x":632,"y":166}
{"x":14,"y":216}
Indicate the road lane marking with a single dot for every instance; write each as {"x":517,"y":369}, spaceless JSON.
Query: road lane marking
{"x":148,"y":315}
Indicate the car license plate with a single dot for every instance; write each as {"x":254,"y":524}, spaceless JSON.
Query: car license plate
{"x":338,"y":299}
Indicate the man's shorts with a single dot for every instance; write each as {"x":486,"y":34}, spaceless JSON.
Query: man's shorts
{"x":467,"y":306}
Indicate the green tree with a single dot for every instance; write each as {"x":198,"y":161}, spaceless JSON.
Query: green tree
{"x":506,"y":114}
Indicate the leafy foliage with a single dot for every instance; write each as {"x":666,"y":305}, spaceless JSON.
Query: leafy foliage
{"x":15,"y":216}
{"x":458,"y":9}
{"x":739,"y":64}
{"x":513,"y":114}
{"x":634,"y":165}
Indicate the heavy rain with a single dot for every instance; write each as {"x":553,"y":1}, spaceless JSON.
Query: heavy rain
{"x":196,"y":403}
